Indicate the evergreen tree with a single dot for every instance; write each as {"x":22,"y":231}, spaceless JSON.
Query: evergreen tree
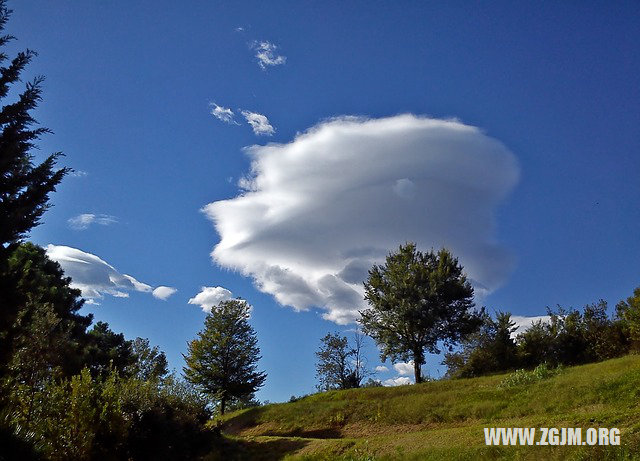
{"x":107,"y":350}
{"x":418,"y":300}
{"x":40,"y":294}
{"x":223,"y":360}
{"x":24,"y":185}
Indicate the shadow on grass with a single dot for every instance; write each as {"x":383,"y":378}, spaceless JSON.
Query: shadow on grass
{"x":243,"y":420}
{"x":250,"y":418}
{"x":232,"y":449}
{"x":313,"y":434}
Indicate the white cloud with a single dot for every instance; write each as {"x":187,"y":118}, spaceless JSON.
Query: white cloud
{"x":399,"y":381}
{"x":163,"y":292}
{"x":381,"y":369}
{"x":78,"y":174}
{"x":83,"y":221}
{"x":522,"y":323}
{"x":266,"y":54}
{"x":210,"y":297}
{"x":94,"y":276}
{"x":259,"y":123}
{"x":224,"y":114}
{"x":317,"y":212}
{"x":404,"y":368}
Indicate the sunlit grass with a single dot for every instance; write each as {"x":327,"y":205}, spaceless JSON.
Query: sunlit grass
{"x":445,"y":419}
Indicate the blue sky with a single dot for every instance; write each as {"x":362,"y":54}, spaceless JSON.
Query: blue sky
{"x":506,"y":131}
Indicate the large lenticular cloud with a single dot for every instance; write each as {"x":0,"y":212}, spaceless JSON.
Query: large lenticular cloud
{"x":316,"y":213}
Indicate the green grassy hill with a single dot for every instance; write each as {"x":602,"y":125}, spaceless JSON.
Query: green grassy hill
{"x":445,"y":419}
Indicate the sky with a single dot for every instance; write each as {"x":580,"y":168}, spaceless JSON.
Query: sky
{"x":274,"y":151}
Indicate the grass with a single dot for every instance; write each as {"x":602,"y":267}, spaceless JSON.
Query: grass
{"x":445,"y":419}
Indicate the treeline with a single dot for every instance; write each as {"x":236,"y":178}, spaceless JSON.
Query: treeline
{"x":423,"y":303}
{"x":569,"y":337}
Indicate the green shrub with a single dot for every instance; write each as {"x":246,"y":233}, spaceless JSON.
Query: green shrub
{"x":94,"y":417}
{"x":520,"y":377}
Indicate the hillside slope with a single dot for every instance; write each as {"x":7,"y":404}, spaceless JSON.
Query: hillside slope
{"x":446,"y":419}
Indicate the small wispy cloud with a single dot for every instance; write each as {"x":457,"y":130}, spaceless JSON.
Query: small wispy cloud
{"x":83,"y":221}
{"x":259,"y":123}
{"x":266,"y":54}
{"x":78,"y":174}
{"x":224,"y":114}
{"x":163,"y":292}
{"x":239,"y":29}
{"x":381,"y":369}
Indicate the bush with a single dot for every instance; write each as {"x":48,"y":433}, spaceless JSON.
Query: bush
{"x":520,"y":377}
{"x":88,"y":417}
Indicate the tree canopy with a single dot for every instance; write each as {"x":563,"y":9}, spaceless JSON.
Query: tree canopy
{"x":417,"y":301}
{"x":223,"y":360}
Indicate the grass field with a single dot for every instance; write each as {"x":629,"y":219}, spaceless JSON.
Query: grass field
{"x":445,"y":419}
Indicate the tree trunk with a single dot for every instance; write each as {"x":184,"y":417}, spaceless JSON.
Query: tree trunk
{"x":416,"y":367}
{"x":223,"y":404}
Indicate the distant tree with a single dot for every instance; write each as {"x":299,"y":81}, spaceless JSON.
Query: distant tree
{"x":358,"y":360}
{"x":223,"y":360}
{"x":491,"y":349}
{"x":333,"y":361}
{"x":372,"y":383}
{"x":606,"y":336}
{"x":568,"y":345}
{"x":150,"y":363}
{"x":418,"y":300}
{"x":535,"y":344}
{"x":106,"y":349}
{"x":340,"y":365}
{"x":629,"y":312}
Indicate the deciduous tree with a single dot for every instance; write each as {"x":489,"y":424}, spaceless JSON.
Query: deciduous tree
{"x":340,"y":365}
{"x":418,"y":301}
{"x":629,"y":312}
{"x":492,"y":348}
